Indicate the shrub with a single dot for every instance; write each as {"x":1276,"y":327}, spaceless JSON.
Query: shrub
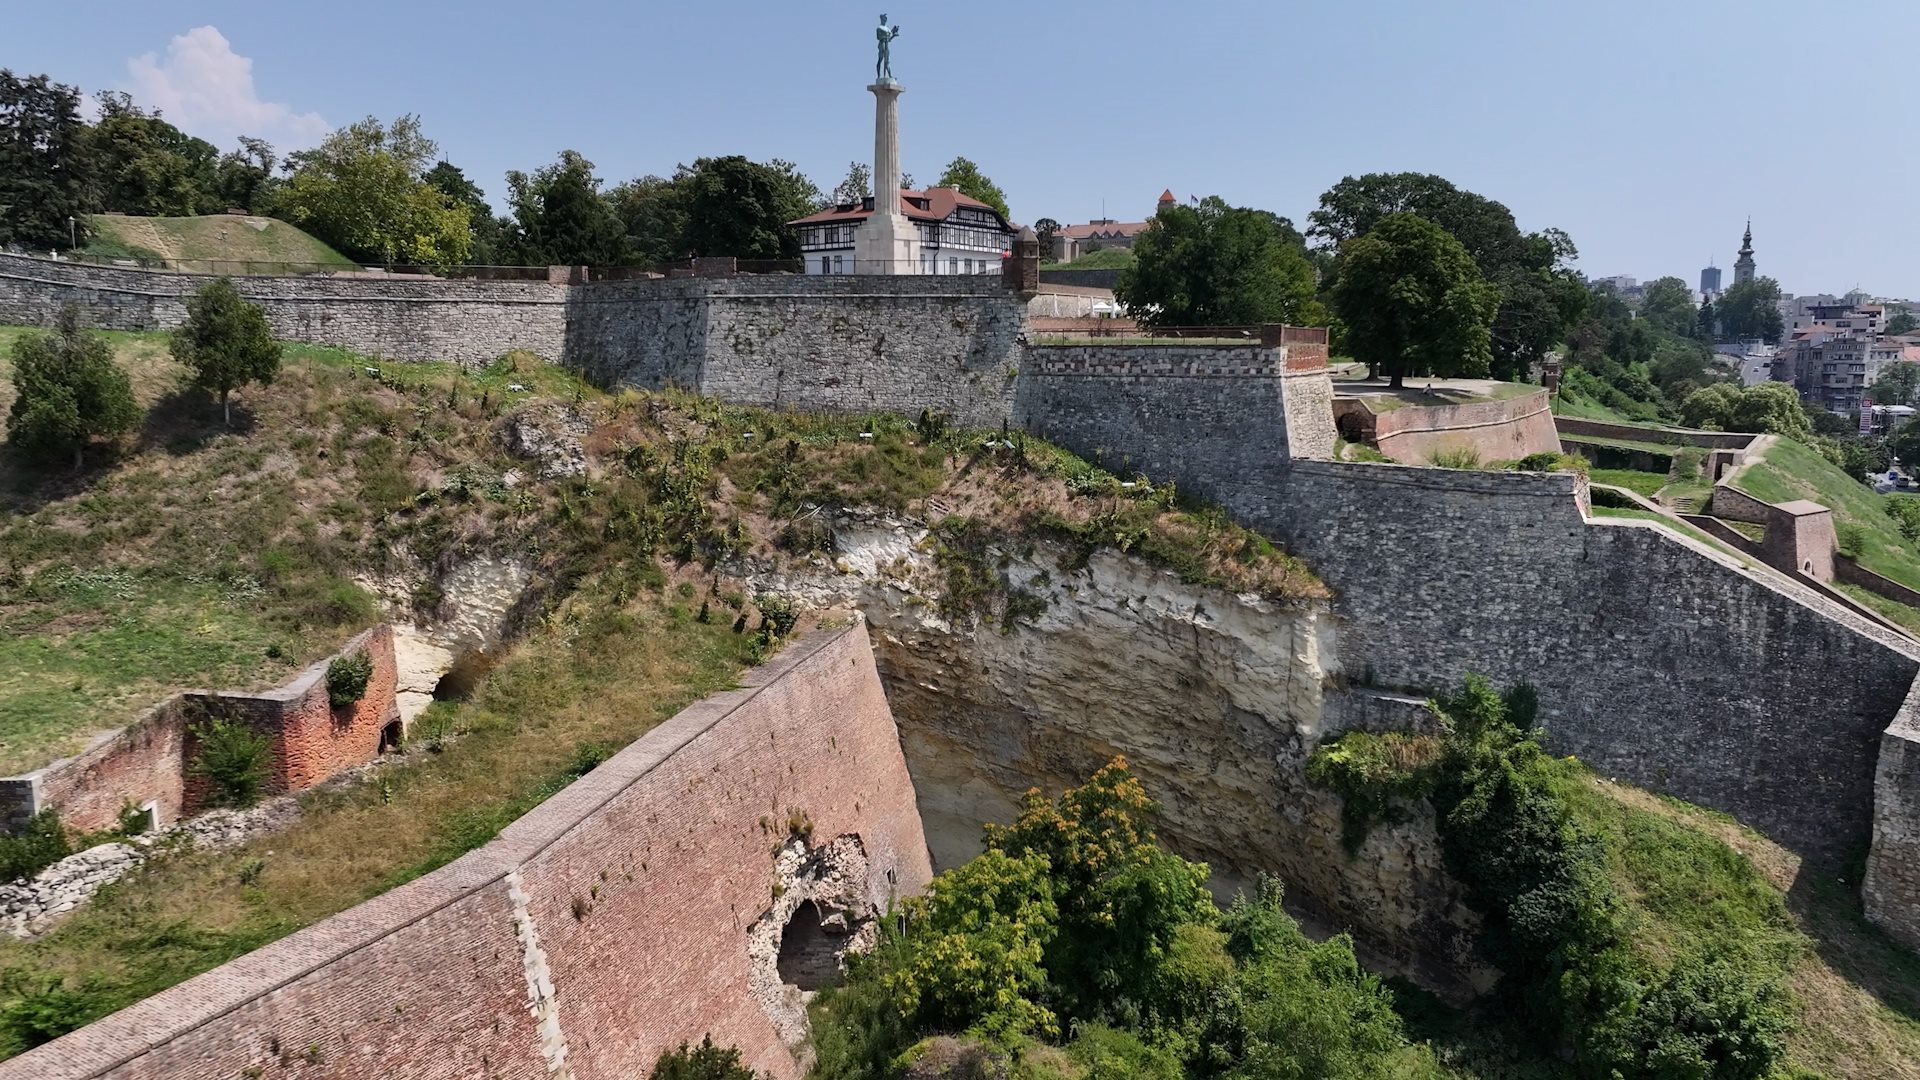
{"x":39,"y":845}
{"x":1548,"y":461}
{"x":1905,"y":512}
{"x":67,"y":390}
{"x":779,"y":612}
{"x":704,"y":1062}
{"x":347,"y":678}
{"x":1850,"y":538}
{"x":45,"y":1010}
{"x":1371,"y":773}
{"x":1456,"y":457}
{"x":225,"y":342}
{"x":233,"y":758}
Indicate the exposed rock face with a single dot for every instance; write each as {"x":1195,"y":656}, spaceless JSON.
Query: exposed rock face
{"x":550,"y":435}
{"x":820,"y":893}
{"x":418,"y":664}
{"x":1214,"y":699}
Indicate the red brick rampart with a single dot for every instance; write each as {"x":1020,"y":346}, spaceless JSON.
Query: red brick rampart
{"x":148,"y":760}
{"x":605,"y":926}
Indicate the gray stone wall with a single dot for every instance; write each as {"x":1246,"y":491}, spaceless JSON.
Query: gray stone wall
{"x":1891,"y":892}
{"x":466,"y":322}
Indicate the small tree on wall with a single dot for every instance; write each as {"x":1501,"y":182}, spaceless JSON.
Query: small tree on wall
{"x":226,"y":343}
{"x":233,"y":758}
{"x":347,"y":678}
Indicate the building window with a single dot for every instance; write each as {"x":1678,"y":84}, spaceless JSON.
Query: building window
{"x":826,"y":265}
{"x":926,"y":263}
{"x":953,"y":265}
{"x":836,"y":265}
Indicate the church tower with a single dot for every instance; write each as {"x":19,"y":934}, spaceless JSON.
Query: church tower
{"x":1743,"y":266}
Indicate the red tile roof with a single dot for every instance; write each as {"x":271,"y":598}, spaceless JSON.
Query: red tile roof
{"x":940,"y":202}
{"x":1103,"y":228}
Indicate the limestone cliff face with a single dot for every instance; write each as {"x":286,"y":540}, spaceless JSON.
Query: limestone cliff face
{"x":1215,"y":699}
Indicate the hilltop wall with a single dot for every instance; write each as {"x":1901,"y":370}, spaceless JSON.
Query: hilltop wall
{"x":1658,"y":659}
{"x":607,"y":925}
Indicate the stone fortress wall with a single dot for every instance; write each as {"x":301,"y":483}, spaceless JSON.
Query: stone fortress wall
{"x":607,"y":925}
{"x":1494,"y":430}
{"x":1659,"y":660}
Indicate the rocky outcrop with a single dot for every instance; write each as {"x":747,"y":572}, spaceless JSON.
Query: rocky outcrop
{"x":820,"y":913}
{"x":1215,"y":699}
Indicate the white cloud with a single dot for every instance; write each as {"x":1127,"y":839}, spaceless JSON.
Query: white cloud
{"x":206,"y":89}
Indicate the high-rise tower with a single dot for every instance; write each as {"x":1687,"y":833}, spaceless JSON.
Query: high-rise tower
{"x":1743,"y":266}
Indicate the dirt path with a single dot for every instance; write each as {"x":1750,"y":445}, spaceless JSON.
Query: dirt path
{"x":140,"y":232}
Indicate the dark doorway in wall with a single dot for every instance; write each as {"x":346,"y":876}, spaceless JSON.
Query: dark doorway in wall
{"x":809,"y":952}
{"x":390,"y":737}
{"x":464,"y":676}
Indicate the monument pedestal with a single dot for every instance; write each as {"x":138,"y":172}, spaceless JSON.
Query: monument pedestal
{"x":887,"y":242}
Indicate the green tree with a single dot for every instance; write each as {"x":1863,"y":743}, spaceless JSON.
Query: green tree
{"x":226,"y":343}
{"x":1413,"y":301}
{"x":46,"y":167}
{"x":1751,"y":309}
{"x":1898,"y":384}
{"x":146,"y":166}
{"x":653,"y":210}
{"x":362,"y":190}
{"x":963,"y":174}
{"x":560,"y":217}
{"x":1902,"y":321}
{"x":1218,"y":265}
{"x":703,"y":1062}
{"x":1768,"y":408}
{"x":857,"y":186}
{"x":1044,"y":230}
{"x":1706,"y":324}
{"x":1668,"y":304}
{"x":244,"y":178}
{"x":741,"y":208}
{"x":67,"y":391}
{"x":493,"y":242}
{"x":1540,"y":295}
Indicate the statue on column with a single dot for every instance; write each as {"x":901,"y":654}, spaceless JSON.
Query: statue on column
{"x":883,"y":67}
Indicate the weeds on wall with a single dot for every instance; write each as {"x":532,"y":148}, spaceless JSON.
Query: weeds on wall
{"x":347,"y":678}
{"x":38,"y":845}
{"x":233,"y":758}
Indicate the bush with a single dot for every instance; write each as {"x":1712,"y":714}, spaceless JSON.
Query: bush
{"x":347,"y":678}
{"x":1850,"y":538}
{"x":45,"y":1010}
{"x":704,"y":1062}
{"x":233,"y":758}
{"x":1456,"y":457}
{"x":67,"y":390}
{"x":225,"y":342}
{"x":39,"y":845}
{"x":1905,"y":512}
{"x":1548,"y":461}
{"x":1371,"y":773}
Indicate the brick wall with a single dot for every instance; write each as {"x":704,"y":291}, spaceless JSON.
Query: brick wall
{"x":1495,"y":430}
{"x":149,"y":759}
{"x":605,"y":926}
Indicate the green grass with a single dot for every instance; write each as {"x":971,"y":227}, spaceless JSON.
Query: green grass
{"x":196,"y":243}
{"x":1891,"y":610}
{"x":1790,"y":470}
{"x":1644,"y":484}
{"x":1569,"y":402}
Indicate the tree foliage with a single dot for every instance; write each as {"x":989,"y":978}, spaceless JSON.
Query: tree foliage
{"x":1768,"y":408}
{"x":147,"y":167}
{"x":244,"y":180}
{"x":1668,"y":304}
{"x":225,"y":342}
{"x":703,"y":1062}
{"x":1898,"y":384}
{"x":741,"y":208}
{"x":1044,"y":230}
{"x":1218,"y":265}
{"x":857,"y":185}
{"x":67,"y":391}
{"x":46,"y":168}
{"x":1413,"y":302}
{"x":1540,"y":296}
{"x":1751,"y":309}
{"x":363,"y":190}
{"x":1902,"y":321}
{"x":493,"y":241}
{"x":560,"y":217}
{"x":963,"y":174}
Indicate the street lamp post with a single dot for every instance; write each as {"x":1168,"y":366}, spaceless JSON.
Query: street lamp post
{"x":73,"y":235}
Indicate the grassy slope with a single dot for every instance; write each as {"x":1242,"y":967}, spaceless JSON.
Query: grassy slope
{"x":1789,"y":470}
{"x":213,"y":237}
{"x":1572,"y":403}
{"x":1105,"y":259}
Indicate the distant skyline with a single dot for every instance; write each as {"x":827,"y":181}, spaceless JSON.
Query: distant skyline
{"x":1650,"y":132}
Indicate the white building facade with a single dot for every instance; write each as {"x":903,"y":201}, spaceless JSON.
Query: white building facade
{"x":953,"y":234}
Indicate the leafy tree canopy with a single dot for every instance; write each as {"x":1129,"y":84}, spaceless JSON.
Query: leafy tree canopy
{"x":1413,"y":301}
{"x":46,"y":166}
{"x":1769,"y":408}
{"x":226,"y":343}
{"x":1044,"y":230}
{"x":244,"y":178}
{"x":741,"y":208}
{"x":147,"y":167}
{"x":67,"y":391}
{"x":561,"y":219}
{"x":963,"y":174}
{"x":1668,"y":304}
{"x":1751,"y":309}
{"x":363,"y":190}
{"x":1218,"y":265}
{"x":1540,"y":296}
{"x":493,"y":239}
{"x":1902,"y":321}
{"x":703,"y":1062}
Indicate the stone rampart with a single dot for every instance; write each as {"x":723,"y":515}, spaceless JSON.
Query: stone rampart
{"x":1601,"y":429}
{"x":148,"y":761}
{"x":1493,"y":430}
{"x":462,"y":321}
{"x":1891,"y":891}
{"x":607,"y":925}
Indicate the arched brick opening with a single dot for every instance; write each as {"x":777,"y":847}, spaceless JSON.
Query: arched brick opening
{"x":390,"y":737}
{"x":809,"y":952}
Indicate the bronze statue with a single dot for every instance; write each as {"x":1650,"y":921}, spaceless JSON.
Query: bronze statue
{"x":883,"y":67}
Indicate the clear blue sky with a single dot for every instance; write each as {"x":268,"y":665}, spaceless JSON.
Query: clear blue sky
{"x":1648,"y":129}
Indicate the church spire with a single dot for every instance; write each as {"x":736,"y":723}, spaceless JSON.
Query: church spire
{"x":1743,"y":269}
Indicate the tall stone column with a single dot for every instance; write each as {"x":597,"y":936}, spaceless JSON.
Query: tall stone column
{"x":888,"y":243}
